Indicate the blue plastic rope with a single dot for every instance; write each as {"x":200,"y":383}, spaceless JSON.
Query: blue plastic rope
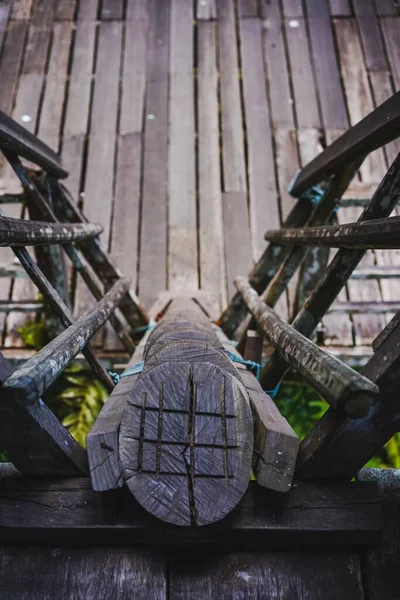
{"x":137,"y":368}
{"x":149,"y":327}
{"x":254,"y":366}
{"x":315,"y":194}
{"x":273,"y":392}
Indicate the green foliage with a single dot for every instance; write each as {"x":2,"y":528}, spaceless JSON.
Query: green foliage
{"x":78,"y":401}
{"x":300,"y":404}
{"x":34,"y":334}
{"x":303,"y":407}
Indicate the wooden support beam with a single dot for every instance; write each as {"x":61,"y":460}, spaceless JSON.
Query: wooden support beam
{"x":187,"y":430}
{"x":374,"y":234}
{"x":344,"y":389}
{"x":69,"y":511}
{"x":19,"y":232}
{"x":67,"y":211}
{"x":374,"y":131}
{"x":337,"y":447}
{"x":16,"y":139}
{"x":28,"y":383}
{"x":102,"y":441}
{"x":275,"y":443}
{"x":337,"y":273}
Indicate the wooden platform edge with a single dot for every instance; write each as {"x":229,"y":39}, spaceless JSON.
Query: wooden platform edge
{"x":46,"y":511}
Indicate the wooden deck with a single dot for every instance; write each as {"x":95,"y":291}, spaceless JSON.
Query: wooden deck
{"x":182,"y":124}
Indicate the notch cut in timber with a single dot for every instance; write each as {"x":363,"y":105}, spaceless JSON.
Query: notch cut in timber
{"x":186,"y":436}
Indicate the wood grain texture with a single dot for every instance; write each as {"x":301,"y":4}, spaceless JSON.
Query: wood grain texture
{"x":305,"y":94}
{"x":234,"y":167}
{"x":293,"y":8}
{"x":382,"y":563}
{"x":340,"y":8}
{"x":65,"y":10}
{"x":112,"y":9}
{"x":186,"y":432}
{"x":386,"y":8}
{"x":357,"y":90}
{"x":371,"y":38}
{"x":262,"y":184}
{"x":102,"y":439}
{"x":238,"y":255}
{"x":247,"y":9}
{"x":390,"y":28}
{"x":21,"y":9}
{"x":212,"y":271}
{"x":126,"y":208}
{"x":68,"y":511}
{"x":53,"y":100}
{"x":78,"y":569}
{"x":342,"y":387}
{"x":99,"y":192}
{"x":206,"y":9}
{"x":78,"y":104}
{"x":153,"y":241}
{"x":266,"y":575}
{"x":330,"y":92}
{"x":182,"y":217}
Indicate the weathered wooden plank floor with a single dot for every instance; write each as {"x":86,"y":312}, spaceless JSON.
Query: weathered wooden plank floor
{"x":183,"y":123}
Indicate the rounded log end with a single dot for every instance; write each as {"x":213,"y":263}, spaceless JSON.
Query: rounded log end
{"x":186,"y":442}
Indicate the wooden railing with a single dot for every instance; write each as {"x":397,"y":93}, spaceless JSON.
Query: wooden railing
{"x":361,"y":418}
{"x":40,"y":444}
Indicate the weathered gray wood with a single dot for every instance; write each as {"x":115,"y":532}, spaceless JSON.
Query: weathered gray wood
{"x":376,"y":233}
{"x":293,"y":8}
{"x":61,"y":310}
{"x":235,"y":576}
{"x":375,"y":58}
{"x":247,"y":9}
{"x":65,"y":10}
{"x":101,"y":152}
{"x":340,"y":8}
{"x":253,"y":346}
{"x":262,"y":182}
{"x":141,"y":571}
{"x":28,"y":383}
{"x":34,"y":440}
{"x":305,"y":94}
{"x":133,"y":311}
{"x":69,"y":511}
{"x":212,"y":271}
{"x":88,"y":10}
{"x":4,"y":15}
{"x":332,"y":102}
{"x":78,"y":103}
{"x":182,"y":211}
{"x":326,"y":449}
{"x":338,"y":271}
{"x":111,"y":9}
{"x":277,"y":70}
{"x":187,"y":426}
{"x":234,"y":168}
{"x":206,"y":9}
{"x":342,"y":387}
{"x":126,"y":207}
{"x":357,"y":90}
{"x":372,"y":307}
{"x":102,"y":440}
{"x":53,"y":99}
{"x":21,"y":9}
{"x":382,"y":562}
{"x":20,"y":232}
{"x":275,"y":443}
{"x":153,"y":242}
{"x":238,"y":253}
{"x":385,"y":8}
